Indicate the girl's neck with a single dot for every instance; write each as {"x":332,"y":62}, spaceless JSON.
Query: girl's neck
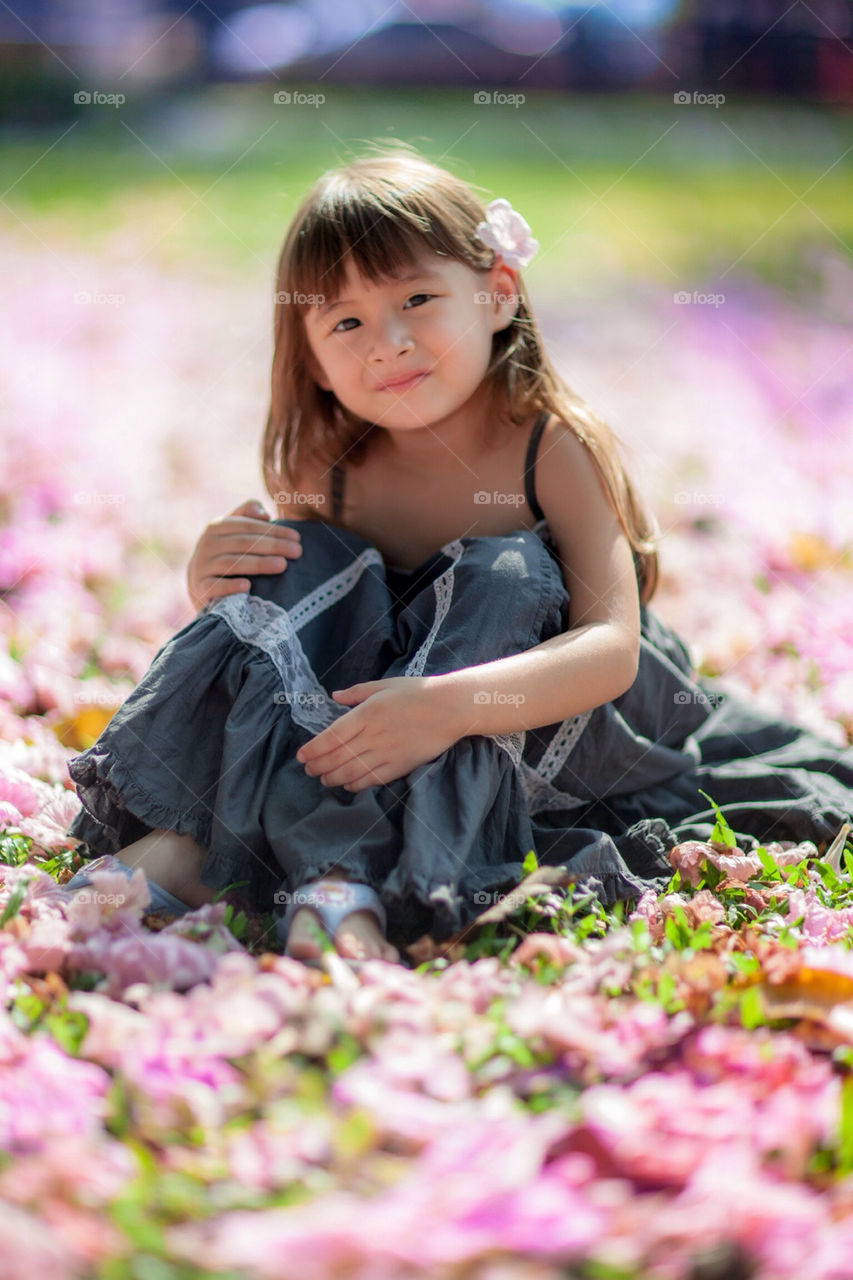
{"x":462,"y":435}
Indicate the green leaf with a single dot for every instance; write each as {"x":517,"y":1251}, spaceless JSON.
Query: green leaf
{"x":751,"y":1008}
{"x":132,"y":1218}
{"x":68,"y":1029}
{"x":677,"y":929}
{"x":769,"y":867}
{"x":845,"y":1127}
{"x":13,"y":906}
{"x":14,"y":848}
{"x":743,"y":963}
{"x":722,"y":832}
{"x":343,"y":1054}
{"x":847,"y":855}
{"x":530,"y":863}
{"x":26,"y":1011}
{"x":711,"y":876}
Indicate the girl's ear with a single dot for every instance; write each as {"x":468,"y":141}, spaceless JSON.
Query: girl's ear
{"x":503,"y":287}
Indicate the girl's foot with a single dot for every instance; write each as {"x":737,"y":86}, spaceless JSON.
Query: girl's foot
{"x":357,"y":937}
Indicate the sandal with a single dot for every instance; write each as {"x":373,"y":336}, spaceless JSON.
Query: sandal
{"x":333,"y":901}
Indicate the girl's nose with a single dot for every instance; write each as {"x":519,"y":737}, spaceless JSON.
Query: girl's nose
{"x":392,"y":341}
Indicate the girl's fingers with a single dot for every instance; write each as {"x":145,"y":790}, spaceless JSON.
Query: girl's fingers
{"x":247,"y":534}
{"x":241,"y":545}
{"x":215,"y":588}
{"x":333,"y":752}
{"x":225,"y":566}
{"x":378,"y":776}
{"x":364,"y":767}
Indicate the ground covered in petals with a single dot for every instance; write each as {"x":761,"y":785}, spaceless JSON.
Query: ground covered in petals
{"x":662,"y":1090}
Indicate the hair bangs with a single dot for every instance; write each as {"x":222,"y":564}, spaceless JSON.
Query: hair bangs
{"x":379,"y":241}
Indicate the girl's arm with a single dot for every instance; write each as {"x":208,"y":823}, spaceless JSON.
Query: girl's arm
{"x":597,"y":658}
{"x":243,"y":542}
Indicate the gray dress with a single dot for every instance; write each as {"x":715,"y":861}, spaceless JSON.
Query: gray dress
{"x":206,"y":743}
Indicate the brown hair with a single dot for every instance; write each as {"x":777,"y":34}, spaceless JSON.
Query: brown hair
{"x":385,"y":209}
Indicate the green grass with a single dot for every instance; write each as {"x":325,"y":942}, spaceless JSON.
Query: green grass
{"x":639,"y":184}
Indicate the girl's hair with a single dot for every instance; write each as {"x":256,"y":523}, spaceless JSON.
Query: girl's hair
{"x":385,"y":209}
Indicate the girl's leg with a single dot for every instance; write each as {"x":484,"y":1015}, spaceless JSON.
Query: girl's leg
{"x":172,"y":861}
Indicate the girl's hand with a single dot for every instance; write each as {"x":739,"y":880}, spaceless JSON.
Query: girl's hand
{"x":242,"y":542}
{"x":394,"y":725}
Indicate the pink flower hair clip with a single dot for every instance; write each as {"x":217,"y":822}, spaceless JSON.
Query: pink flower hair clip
{"x":507,"y":233}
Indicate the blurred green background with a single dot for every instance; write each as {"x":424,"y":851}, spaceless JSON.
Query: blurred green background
{"x":609,"y":183}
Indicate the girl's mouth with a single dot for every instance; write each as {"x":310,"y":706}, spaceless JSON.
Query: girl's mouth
{"x":405,"y":385}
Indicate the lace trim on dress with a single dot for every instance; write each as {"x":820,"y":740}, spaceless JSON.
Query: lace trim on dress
{"x":512,"y":744}
{"x":538,"y":781}
{"x":333,"y":589}
{"x":443,"y":587}
{"x":542,"y":795}
{"x":269,"y":628}
{"x":560,"y":746}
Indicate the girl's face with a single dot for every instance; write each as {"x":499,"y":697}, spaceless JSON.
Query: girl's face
{"x":433,"y":328}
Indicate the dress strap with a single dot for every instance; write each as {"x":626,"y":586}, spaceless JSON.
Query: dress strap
{"x":337,"y":492}
{"x":530,"y":464}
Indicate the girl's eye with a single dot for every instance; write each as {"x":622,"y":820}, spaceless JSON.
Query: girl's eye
{"x":346,"y":319}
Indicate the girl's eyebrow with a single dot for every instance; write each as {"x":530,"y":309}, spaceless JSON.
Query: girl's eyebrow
{"x":406,"y":279}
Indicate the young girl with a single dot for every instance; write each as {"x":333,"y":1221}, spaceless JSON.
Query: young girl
{"x":440,"y":655}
